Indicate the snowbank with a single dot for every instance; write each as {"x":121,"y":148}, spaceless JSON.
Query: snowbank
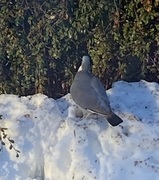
{"x":54,"y":144}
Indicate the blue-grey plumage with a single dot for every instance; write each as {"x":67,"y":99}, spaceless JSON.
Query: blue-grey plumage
{"x":88,"y":92}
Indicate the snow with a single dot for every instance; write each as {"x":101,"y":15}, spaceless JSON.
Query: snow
{"x":56,"y":144}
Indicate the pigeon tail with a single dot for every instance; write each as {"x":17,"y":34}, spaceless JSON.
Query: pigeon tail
{"x":114,"y":120}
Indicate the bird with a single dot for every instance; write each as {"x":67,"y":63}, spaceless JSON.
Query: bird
{"x":89,"y":94}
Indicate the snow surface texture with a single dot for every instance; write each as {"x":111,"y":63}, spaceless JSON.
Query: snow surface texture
{"x":57,"y":145}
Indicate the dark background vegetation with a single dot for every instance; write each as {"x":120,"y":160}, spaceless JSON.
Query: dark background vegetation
{"x":42,"y":41}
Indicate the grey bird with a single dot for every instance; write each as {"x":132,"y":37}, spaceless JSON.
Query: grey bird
{"x":88,"y":93}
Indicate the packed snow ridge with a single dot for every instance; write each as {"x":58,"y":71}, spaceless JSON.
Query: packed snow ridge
{"x":56,"y":144}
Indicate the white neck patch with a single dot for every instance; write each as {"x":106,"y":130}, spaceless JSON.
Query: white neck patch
{"x":85,"y":65}
{"x":80,"y":69}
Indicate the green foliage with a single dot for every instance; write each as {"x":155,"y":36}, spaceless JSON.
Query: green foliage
{"x":41,"y":42}
{"x":136,"y":32}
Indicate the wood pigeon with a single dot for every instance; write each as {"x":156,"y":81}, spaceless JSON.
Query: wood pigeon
{"x":88,"y":93}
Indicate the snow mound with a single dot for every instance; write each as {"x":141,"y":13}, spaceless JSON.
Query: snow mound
{"x":54,"y":144}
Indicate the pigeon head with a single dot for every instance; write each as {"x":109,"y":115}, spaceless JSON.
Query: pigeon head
{"x":85,"y":65}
